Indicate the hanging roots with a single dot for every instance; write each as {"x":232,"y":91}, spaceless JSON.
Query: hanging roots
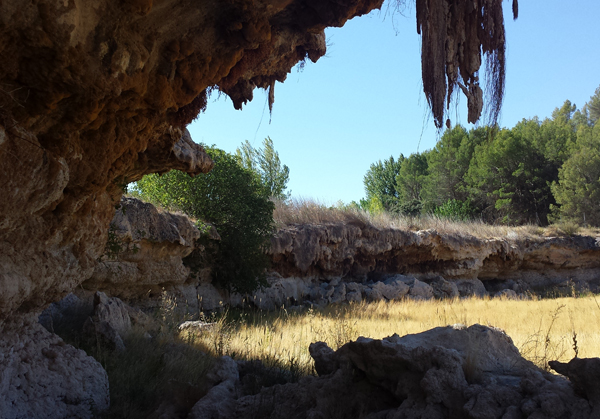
{"x":454,"y":35}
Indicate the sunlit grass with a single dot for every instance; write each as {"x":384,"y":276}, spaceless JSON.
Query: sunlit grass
{"x":541,"y":329}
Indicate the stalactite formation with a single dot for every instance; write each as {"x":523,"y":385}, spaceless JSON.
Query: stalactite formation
{"x":455,"y":35}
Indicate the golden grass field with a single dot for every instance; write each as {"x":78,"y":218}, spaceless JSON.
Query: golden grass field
{"x":543,"y":330}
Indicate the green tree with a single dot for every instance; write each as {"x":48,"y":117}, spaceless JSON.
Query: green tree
{"x":453,"y":209}
{"x":380,"y":183}
{"x":509,"y":177}
{"x":236,"y":202}
{"x":448,"y":162}
{"x":577,"y":191}
{"x":557,"y":135}
{"x":593,"y":107}
{"x":411,"y":177}
{"x":265,"y":162}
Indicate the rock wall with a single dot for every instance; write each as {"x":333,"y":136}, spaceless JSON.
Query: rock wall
{"x":157,"y":256}
{"x":93,"y":95}
{"x":332,"y":264}
{"x":361,"y":253}
{"x":149,"y":246}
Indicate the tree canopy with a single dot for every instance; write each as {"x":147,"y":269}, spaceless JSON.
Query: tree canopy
{"x":265,"y":162}
{"x":538,"y":172}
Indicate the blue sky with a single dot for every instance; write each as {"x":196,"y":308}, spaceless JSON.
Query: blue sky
{"x":363,"y":101}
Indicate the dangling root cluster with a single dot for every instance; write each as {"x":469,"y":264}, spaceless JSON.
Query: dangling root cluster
{"x":455,"y":34}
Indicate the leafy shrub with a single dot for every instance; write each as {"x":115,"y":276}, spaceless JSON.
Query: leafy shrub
{"x":234,"y":200}
{"x":456,"y":210}
{"x":411,"y":208}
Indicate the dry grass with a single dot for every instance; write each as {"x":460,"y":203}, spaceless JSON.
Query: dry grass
{"x":300,"y":211}
{"x":541,"y":329}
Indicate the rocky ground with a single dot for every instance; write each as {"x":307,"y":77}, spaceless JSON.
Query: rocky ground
{"x":446,"y":372}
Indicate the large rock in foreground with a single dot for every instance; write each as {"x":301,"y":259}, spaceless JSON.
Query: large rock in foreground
{"x":446,"y":372}
{"x":43,"y":377}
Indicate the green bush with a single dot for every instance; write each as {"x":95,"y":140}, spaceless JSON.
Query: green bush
{"x":453,"y":209}
{"x":411,"y":208}
{"x":235,"y":201}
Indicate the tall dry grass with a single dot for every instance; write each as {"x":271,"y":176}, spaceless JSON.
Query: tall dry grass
{"x":542,"y":329}
{"x":306,"y":211}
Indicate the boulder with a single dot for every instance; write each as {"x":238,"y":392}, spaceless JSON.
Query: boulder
{"x":354,"y":292}
{"x":38,"y":370}
{"x":287,"y":291}
{"x":583,"y":373}
{"x":196,"y":326}
{"x":101,"y":334}
{"x":109,"y":323}
{"x":420,"y":290}
{"x":392,"y":289}
{"x":218,"y":402}
{"x":447,"y":372}
{"x":373,"y":294}
{"x":208,"y":297}
{"x":354,"y":297}
{"x":324,"y":357}
{"x":112,"y":311}
{"x":339,"y":294}
{"x":353,"y":287}
{"x":471,"y":288}
{"x":443,"y":289}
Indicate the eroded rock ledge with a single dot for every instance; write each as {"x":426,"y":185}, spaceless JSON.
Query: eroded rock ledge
{"x":361,"y":252}
{"x":93,"y":95}
{"x":337,"y":263}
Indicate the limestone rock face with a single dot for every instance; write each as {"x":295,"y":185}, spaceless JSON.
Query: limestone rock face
{"x":108,"y":324}
{"x":217,"y":403}
{"x":356,"y":252}
{"x":149,"y":249}
{"x":446,"y":372}
{"x":95,"y":94}
{"x":42,"y":377}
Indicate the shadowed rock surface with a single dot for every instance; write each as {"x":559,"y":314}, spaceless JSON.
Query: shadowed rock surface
{"x":585,"y":376}
{"x":94,"y":95}
{"x":41,"y":376}
{"x":446,"y":372}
